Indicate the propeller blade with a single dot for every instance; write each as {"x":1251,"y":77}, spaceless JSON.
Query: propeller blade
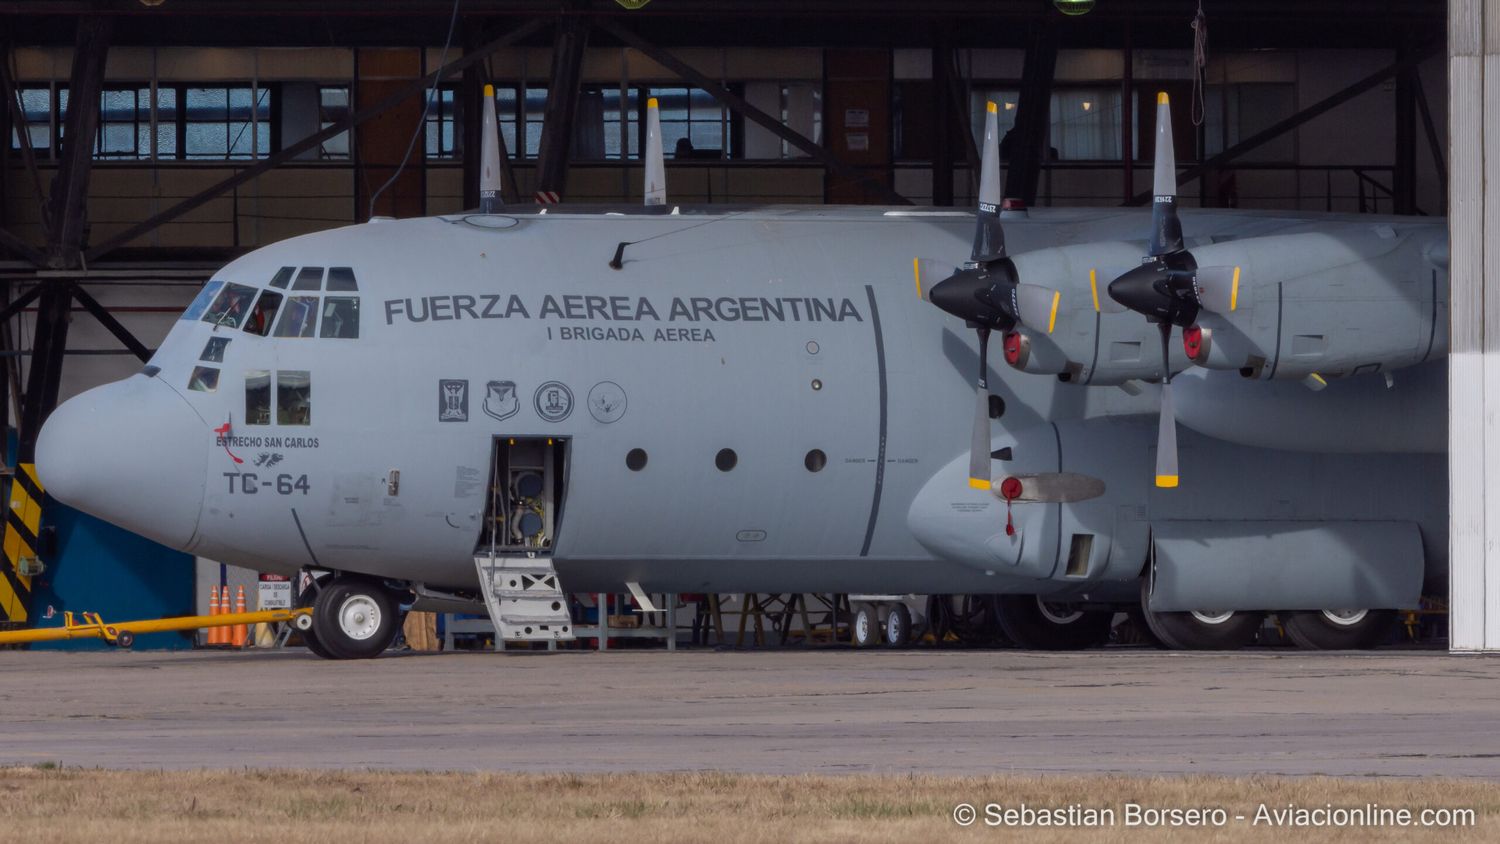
{"x":656,"y":168}
{"x":927,"y":273}
{"x":1166,"y":441}
{"x":1166,"y":428}
{"x":1218,"y":288}
{"x":1036,"y":307}
{"x":1166,"y":229}
{"x":1104,"y":303}
{"x":979,"y":446}
{"x":989,"y":237}
{"x":489,"y":156}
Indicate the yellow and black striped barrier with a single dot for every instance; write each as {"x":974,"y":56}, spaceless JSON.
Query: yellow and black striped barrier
{"x":23,"y":523}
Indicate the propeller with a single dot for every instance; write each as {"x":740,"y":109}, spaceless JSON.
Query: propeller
{"x":656,"y":169}
{"x":489,"y":157}
{"x":987,"y":293}
{"x":1170,"y":289}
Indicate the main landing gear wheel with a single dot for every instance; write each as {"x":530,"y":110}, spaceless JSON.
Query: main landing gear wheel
{"x":309,"y":636}
{"x":866,"y":631}
{"x":354,"y":618}
{"x":1338,"y":630}
{"x":1037,"y":624}
{"x":898,"y":626}
{"x":1202,"y":630}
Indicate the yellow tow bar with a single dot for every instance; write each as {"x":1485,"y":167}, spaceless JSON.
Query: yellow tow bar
{"x":123,"y":633}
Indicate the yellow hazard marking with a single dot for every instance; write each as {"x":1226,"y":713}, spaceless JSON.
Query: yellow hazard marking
{"x":916,"y":273}
{"x":1166,"y":481}
{"x":1052,"y":320}
{"x":1161,"y":98}
{"x":980,"y":483}
{"x":651,"y":103}
{"x":991,"y":107}
{"x":17,"y":545}
{"x":1234,"y":290}
{"x":1094,"y":288}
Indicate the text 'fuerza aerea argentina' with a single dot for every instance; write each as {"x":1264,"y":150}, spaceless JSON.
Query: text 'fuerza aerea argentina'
{"x":698,"y":309}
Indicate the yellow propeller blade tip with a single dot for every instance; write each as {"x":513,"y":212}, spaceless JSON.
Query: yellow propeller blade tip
{"x":1162,"y":99}
{"x":916,"y":272}
{"x":1234,"y":290}
{"x":1166,"y":481}
{"x":489,"y":90}
{"x":1052,"y":319}
{"x":980,"y":483}
{"x":1094,"y":288}
{"x":651,"y":103}
{"x":991,"y":107}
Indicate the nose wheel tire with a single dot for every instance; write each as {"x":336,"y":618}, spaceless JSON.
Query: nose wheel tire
{"x":1037,"y":624}
{"x":866,"y":627}
{"x":1203,"y":630}
{"x":1338,"y":630}
{"x":898,"y":626}
{"x":354,"y":618}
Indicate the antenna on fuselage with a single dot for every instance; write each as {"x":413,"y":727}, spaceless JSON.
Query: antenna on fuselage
{"x":489,"y":159}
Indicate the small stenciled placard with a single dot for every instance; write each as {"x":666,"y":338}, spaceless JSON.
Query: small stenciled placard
{"x":856,"y":118}
{"x":275,"y":592}
{"x":857,"y":141}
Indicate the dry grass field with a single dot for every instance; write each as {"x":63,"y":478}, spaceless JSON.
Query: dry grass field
{"x":50,"y":804}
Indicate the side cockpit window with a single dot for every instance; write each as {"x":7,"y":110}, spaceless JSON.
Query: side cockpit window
{"x":258,"y":397}
{"x":299,"y":317}
{"x":341,"y":317}
{"x":231,"y":306}
{"x":200,"y":302}
{"x":213,"y":350}
{"x":264,"y":313}
{"x":293,"y":397}
{"x":205,"y":379}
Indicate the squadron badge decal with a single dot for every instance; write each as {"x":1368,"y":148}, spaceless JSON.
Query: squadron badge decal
{"x":453,"y":400}
{"x":501,"y":400}
{"x":553,"y":401}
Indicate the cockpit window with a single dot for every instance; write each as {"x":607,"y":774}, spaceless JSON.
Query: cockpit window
{"x":298,"y":317}
{"x":282,"y":276}
{"x":341,"y":279}
{"x":340,"y":317}
{"x":264,"y":313}
{"x":293,"y":397}
{"x":258,"y":397}
{"x":231,"y":306}
{"x":205,"y":379}
{"x":200,"y":302}
{"x":213,"y":350}
{"x":311,"y":278}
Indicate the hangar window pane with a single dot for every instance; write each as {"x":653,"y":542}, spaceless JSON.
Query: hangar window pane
{"x":1006,"y":100}
{"x":37,"y":104}
{"x":230,"y":308}
{"x":264,"y":313}
{"x":533,"y":107}
{"x":341,"y":279}
{"x":442,"y":123}
{"x":507,"y":111}
{"x":200,"y":302}
{"x":693,"y":123}
{"x":124,"y":124}
{"x":293,"y":397}
{"x":311,"y":278}
{"x":213,"y":350}
{"x":333,"y":106}
{"x":227,"y":122}
{"x":341,"y":317}
{"x":298,"y":317}
{"x":1085,"y":125}
{"x":205,"y":379}
{"x":258,"y":397}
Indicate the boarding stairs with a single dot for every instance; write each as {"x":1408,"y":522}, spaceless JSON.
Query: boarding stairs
{"x":525,"y":601}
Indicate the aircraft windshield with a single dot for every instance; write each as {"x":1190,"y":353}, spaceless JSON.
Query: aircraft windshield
{"x":231,"y":306}
{"x":200,"y":302}
{"x":340,"y":317}
{"x":264,"y":313}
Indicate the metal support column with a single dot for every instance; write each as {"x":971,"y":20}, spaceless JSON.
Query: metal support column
{"x":1028,"y":147}
{"x":943,"y":122}
{"x":562,"y":104}
{"x":1474,"y":312}
{"x":1404,"y":177}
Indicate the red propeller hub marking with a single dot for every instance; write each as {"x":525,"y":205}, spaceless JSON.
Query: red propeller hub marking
{"x":1012,"y":346}
{"x":1192,"y":341}
{"x":1010,"y":489}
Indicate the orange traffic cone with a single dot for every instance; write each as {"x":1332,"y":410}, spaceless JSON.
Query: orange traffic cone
{"x":211,"y":636}
{"x":241,"y":632}
{"x":224,"y":609}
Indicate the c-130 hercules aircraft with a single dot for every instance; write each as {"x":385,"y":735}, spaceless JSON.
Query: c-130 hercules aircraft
{"x":492,"y":407}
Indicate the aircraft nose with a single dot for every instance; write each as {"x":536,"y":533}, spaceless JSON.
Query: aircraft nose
{"x":133,"y":453}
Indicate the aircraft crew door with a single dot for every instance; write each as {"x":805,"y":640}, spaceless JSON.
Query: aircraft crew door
{"x":524,"y":498}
